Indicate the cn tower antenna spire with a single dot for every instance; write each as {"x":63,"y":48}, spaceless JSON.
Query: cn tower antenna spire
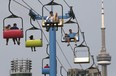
{"x":103,"y":57}
{"x":102,"y":15}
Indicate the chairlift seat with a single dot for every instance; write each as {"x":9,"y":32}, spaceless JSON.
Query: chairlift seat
{"x":12,"y":34}
{"x":81,"y":60}
{"x":72,"y":40}
{"x":33,"y":43}
{"x":45,"y":70}
{"x":47,"y":24}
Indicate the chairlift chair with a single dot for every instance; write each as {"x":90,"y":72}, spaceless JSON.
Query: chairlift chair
{"x":82,"y":53}
{"x":52,"y":24}
{"x":15,"y":33}
{"x":63,"y":32}
{"x":70,"y":21}
{"x":12,"y":33}
{"x":45,"y":70}
{"x":82,"y":50}
{"x":35,"y":42}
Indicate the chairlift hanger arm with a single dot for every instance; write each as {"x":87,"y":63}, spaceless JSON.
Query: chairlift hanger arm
{"x":92,"y":60}
{"x":81,"y":45}
{"x":9,"y":7}
{"x":61,"y":70}
{"x":12,"y":14}
{"x":31,"y":22}
{"x":47,"y":50}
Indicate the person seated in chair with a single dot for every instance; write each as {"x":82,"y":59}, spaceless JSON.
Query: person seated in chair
{"x":14,"y":27}
{"x":66,"y":38}
{"x":7,"y":28}
{"x":46,"y":66}
{"x":72,"y":35}
{"x":55,"y":18}
{"x":50,"y":17}
{"x":31,"y":38}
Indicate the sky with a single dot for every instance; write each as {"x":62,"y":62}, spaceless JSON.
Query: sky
{"x":88,"y":14}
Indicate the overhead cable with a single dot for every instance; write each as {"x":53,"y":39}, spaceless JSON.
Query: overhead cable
{"x":30,"y":7}
{"x":64,"y":54}
{"x":21,"y":4}
{"x":42,"y":5}
{"x":66,"y":3}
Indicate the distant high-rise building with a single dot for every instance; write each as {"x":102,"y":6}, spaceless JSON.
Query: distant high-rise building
{"x":21,"y":68}
{"x":93,"y":71}
{"x":77,"y":72}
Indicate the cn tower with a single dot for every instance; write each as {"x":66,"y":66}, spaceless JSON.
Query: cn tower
{"x":103,"y":57}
